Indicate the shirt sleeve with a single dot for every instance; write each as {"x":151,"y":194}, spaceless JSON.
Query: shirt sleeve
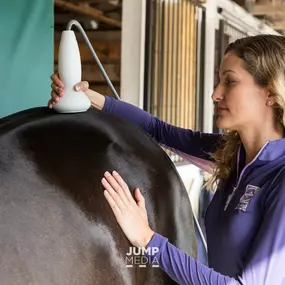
{"x":193,"y":146}
{"x":264,"y":264}
{"x":182,"y":268}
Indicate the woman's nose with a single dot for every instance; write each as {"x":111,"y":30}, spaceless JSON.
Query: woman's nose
{"x":217,"y":95}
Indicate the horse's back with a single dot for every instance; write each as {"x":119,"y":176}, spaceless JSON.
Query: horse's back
{"x":56,"y":226}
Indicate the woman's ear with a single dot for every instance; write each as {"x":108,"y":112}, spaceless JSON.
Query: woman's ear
{"x":271,"y":99}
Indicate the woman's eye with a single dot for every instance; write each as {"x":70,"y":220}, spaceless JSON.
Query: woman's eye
{"x":230,"y":81}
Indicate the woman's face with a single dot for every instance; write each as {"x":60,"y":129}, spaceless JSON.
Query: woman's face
{"x":241,"y":103}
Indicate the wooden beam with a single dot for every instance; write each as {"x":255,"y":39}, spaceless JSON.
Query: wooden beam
{"x":91,"y":72}
{"x":62,"y":18}
{"x":111,"y":2}
{"x":88,"y":11}
{"x":106,"y":52}
{"x":105,"y":6}
{"x":94,"y":36}
{"x":278,"y":25}
{"x":267,"y":9}
{"x":104,"y":89}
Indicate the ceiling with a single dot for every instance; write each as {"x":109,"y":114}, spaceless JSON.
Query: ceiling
{"x":92,"y":14}
{"x":272,"y":12}
{"x":102,"y":15}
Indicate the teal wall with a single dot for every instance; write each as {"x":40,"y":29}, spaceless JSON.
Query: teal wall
{"x":26,"y":54}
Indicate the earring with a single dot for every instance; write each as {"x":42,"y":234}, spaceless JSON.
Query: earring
{"x":269,"y":102}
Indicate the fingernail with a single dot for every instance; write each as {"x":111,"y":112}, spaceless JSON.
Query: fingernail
{"x":107,"y":173}
{"x":115,"y":173}
{"x":77,"y":88}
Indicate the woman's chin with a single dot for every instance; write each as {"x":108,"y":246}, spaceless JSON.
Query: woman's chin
{"x":223,"y":123}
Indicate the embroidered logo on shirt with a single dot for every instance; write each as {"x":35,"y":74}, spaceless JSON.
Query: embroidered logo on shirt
{"x":244,"y":201}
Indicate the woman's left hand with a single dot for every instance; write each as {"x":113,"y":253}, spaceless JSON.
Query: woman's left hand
{"x":131,"y":216}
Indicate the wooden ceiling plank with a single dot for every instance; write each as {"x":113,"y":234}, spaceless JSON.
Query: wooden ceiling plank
{"x":65,"y":18}
{"x":88,"y":11}
{"x":267,"y":9}
{"x":278,"y":25}
{"x":95,"y":36}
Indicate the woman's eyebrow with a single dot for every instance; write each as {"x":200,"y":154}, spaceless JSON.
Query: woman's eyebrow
{"x":228,"y":70}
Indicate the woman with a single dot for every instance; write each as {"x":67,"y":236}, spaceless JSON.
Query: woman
{"x":245,"y":222}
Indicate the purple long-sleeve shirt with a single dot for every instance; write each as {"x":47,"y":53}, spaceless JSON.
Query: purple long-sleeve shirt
{"x":245,"y":221}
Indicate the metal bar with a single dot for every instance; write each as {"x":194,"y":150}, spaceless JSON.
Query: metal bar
{"x":165,"y":59}
{"x":174,"y":62}
{"x":156,"y":64}
{"x":200,"y":47}
{"x":188,"y":60}
{"x":183,"y":63}
{"x":161,"y":62}
{"x":178,"y":94}
{"x":149,"y":33}
{"x":169,"y":60}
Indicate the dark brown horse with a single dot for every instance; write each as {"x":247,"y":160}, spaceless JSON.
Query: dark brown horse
{"x":56,"y":227}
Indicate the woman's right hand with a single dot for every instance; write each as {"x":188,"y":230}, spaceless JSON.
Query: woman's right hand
{"x":97,"y":99}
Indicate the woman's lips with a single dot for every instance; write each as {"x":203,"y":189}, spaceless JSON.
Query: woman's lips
{"x":222,"y":110}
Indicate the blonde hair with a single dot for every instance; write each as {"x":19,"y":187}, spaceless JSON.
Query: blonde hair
{"x":264,"y":59}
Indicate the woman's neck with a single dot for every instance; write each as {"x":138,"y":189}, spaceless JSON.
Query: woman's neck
{"x":254,"y":140}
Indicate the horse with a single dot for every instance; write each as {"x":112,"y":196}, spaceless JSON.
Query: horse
{"x":55,"y":225}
